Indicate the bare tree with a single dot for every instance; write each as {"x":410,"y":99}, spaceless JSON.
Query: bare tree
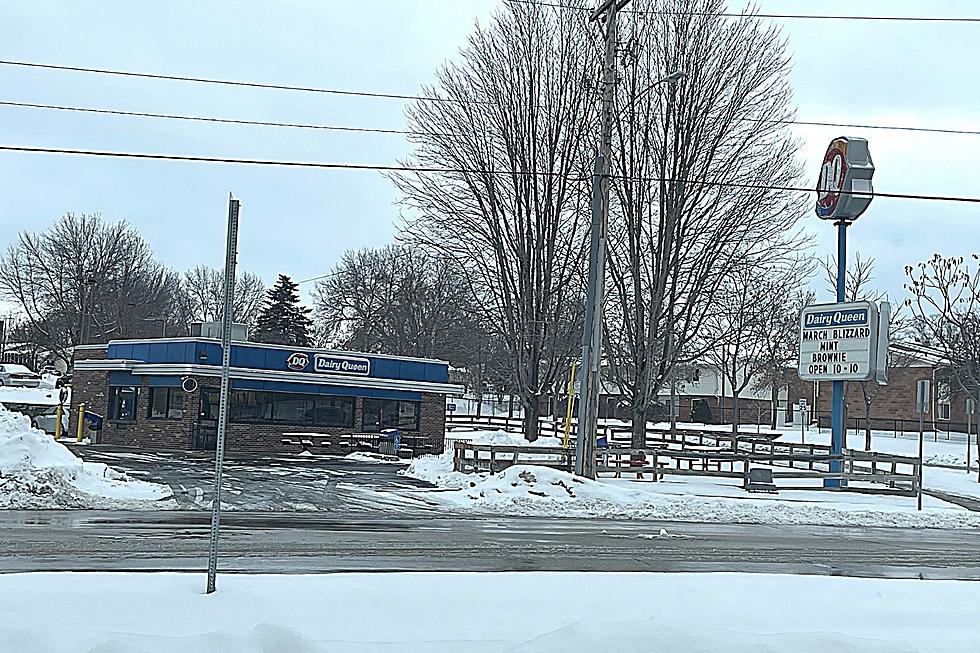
{"x":395,"y":300}
{"x":781,"y":335}
{"x":858,"y":282}
{"x":692,"y":162}
{"x":736,"y":332}
{"x":509,"y":128}
{"x":203,"y":292}
{"x":945,"y":305}
{"x":85,"y":280}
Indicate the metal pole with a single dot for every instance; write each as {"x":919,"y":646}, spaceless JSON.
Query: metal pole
{"x":592,"y":331}
{"x":837,"y":396}
{"x":231,"y":247}
{"x":969,"y":428}
{"x":921,"y":441}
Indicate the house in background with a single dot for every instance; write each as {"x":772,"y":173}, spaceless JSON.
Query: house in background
{"x":892,"y":406}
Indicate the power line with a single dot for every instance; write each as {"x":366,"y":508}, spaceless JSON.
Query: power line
{"x":294,"y":125}
{"x":322,"y":276}
{"x":423,"y":169}
{"x":924,"y":19}
{"x":224,"y":82}
{"x":233,"y":121}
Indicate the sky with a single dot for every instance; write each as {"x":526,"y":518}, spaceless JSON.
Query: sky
{"x":300,"y":221}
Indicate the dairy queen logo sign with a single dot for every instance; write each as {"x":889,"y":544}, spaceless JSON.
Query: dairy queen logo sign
{"x":298,"y":361}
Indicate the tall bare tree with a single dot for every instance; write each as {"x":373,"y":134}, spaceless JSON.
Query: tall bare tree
{"x":692,"y":164}
{"x":945,"y":305}
{"x":395,"y":300}
{"x":859,"y":287}
{"x":203,"y":295}
{"x":85,"y":280}
{"x":510,"y":129}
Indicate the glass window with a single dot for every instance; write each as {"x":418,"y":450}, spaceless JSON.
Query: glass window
{"x":166,"y":403}
{"x":292,"y":409}
{"x":122,"y":402}
{"x":334,"y":411}
{"x":390,"y":414}
{"x":247,"y":406}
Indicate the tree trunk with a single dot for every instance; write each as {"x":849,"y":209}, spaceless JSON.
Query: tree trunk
{"x":532,"y":409}
{"x":638,"y":428}
{"x":734,"y":412}
{"x":775,"y":400}
{"x":867,"y":426}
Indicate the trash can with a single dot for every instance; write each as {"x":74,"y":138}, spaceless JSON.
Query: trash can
{"x":389,"y":442}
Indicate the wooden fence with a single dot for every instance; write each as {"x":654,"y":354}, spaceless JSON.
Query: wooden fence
{"x":883,"y":473}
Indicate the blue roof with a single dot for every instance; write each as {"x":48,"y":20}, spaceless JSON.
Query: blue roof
{"x":254,"y":356}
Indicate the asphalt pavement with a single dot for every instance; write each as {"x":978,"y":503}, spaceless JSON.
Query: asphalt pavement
{"x":313,"y":543}
{"x":291,"y":514}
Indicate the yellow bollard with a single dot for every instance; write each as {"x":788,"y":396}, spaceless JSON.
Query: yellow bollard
{"x":81,"y":422}
{"x":568,"y":410}
{"x":57,"y":425}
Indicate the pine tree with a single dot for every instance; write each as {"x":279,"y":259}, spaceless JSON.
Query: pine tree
{"x":283,"y":320}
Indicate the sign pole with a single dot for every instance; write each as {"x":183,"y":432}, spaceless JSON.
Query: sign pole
{"x":837,"y":395}
{"x":969,"y":429}
{"x":922,"y":400}
{"x":231,"y":247}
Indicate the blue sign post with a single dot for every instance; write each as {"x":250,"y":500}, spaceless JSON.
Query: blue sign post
{"x":843,"y":193}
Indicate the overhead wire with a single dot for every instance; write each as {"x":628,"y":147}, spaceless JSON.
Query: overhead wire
{"x":437,"y":169}
{"x":924,"y":19}
{"x":406,"y":132}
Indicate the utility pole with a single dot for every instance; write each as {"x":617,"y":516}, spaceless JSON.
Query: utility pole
{"x":589,"y":384}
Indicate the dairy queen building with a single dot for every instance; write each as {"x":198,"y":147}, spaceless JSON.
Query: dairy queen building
{"x":163,"y":393}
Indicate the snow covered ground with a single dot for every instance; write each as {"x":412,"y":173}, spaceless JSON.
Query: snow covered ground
{"x":37,"y":472}
{"x":485,"y":613}
{"x":38,"y":396}
{"x":540,"y":491}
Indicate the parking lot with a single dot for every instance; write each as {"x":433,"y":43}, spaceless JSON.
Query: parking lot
{"x":256,"y":482}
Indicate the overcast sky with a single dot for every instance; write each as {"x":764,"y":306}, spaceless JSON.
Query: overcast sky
{"x":299,"y":221}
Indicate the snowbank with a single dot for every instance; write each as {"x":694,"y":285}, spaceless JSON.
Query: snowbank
{"x":530,"y":490}
{"x":438,"y":469}
{"x":370,"y":457}
{"x":37,"y":472}
{"x":485,"y":613}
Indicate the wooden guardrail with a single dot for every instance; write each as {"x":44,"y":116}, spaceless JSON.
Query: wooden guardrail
{"x":881,"y":470}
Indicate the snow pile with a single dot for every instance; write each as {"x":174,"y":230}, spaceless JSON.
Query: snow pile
{"x":438,"y":469}
{"x":37,"y":472}
{"x":370,"y":457}
{"x":486,"y":613}
{"x":530,"y":490}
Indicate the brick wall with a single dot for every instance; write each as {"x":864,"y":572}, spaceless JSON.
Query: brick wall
{"x":895,"y":401}
{"x":91,"y":387}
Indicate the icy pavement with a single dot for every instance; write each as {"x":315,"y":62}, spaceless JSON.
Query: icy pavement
{"x":37,"y":472}
{"x":485,"y":613}
{"x":275,"y":482}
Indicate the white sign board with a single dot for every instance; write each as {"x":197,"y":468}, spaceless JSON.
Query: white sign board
{"x":838,"y":342}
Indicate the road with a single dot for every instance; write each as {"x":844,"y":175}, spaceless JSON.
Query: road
{"x":291,"y":514}
{"x":308,"y":542}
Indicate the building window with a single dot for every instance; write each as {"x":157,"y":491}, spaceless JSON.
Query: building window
{"x":166,"y":403}
{"x":122,"y":402}
{"x":334,"y":411}
{"x":390,"y":414}
{"x":291,"y":408}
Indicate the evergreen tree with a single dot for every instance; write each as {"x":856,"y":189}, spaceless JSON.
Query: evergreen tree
{"x":283,"y":320}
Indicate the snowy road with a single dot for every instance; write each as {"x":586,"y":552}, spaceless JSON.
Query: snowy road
{"x":311,"y":542}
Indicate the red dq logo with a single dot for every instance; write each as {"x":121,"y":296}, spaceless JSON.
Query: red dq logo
{"x":298,"y":361}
